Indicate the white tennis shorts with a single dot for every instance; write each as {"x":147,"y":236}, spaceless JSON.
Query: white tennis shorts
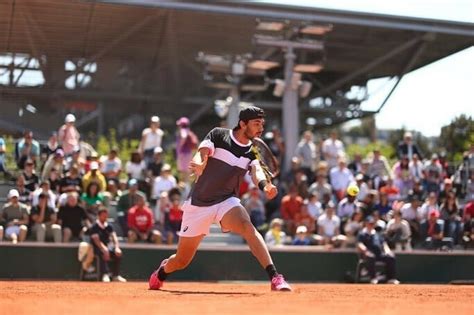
{"x":197,"y":220}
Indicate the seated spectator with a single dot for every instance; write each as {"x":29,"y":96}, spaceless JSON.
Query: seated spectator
{"x":303,"y":218}
{"x":92,"y":199}
{"x":450,"y":213}
{"x":72,"y":218}
{"x":140,"y":224}
{"x":174,"y":216}
{"x":253,"y":203}
{"x":372,"y":247}
{"x":433,"y":232}
{"x":25,"y":194}
{"x":76,"y":160}
{"x":111,"y":165}
{"x":291,"y":205}
{"x":301,"y":237}
{"x":398,"y":232}
{"x":431,"y":203}
{"x":346,"y":207}
{"x":378,"y":168}
{"x":44,"y":220}
{"x":154,"y":167}
{"x":416,"y":168}
{"x":106,"y":251}
{"x":44,"y":188}
{"x":56,"y":162}
{"x":128,"y":199}
{"x":352,"y":228}
{"x":113,"y":190}
{"x":71,"y":182}
{"x":363,"y":187}
{"x":329,"y":228}
{"x":468,"y":230}
{"x":315,"y":208}
{"x":410,"y":212}
{"x":31,"y":179}
{"x":14,"y":218}
{"x":27,"y":149}
{"x":164,"y":182}
{"x":433,"y":174}
{"x":368,"y":204}
{"x":383,"y":205}
{"x":320,"y":187}
{"x":387,"y":187}
{"x":447,"y":189}
{"x":419,"y":190}
{"x":51,"y":146}
{"x":356,"y":164}
{"x":402,"y":178}
{"x":136,"y":167}
{"x":3,"y":167}
{"x":340,"y":177}
{"x":275,"y":236}
{"x":94,"y":175}
{"x":54,"y":180}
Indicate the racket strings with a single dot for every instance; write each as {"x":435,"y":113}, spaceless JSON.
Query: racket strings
{"x":263,"y":163}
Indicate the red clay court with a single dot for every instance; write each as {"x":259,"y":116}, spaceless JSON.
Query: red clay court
{"x":54,"y":297}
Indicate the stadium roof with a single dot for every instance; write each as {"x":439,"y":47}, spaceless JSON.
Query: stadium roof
{"x":140,"y":56}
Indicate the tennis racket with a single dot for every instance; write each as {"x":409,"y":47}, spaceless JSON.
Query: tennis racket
{"x":268,"y":161}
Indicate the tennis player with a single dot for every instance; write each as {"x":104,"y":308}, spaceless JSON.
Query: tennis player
{"x":222,"y":160}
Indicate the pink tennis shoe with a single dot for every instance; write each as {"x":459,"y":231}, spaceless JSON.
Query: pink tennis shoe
{"x":154,"y":283}
{"x":279,"y":284}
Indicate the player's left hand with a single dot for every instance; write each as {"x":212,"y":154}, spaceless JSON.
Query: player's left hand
{"x":118,"y":251}
{"x":270,"y":191}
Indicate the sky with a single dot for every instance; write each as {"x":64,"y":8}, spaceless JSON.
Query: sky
{"x":430,"y":97}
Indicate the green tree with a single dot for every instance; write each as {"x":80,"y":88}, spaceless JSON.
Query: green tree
{"x":457,"y":137}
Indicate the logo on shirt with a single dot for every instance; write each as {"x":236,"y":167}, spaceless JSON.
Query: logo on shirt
{"x":185,"y":229}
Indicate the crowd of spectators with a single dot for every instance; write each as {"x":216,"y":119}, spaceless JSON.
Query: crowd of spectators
{"x":61,"y":188}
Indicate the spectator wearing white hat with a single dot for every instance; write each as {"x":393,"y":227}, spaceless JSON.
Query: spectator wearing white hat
{"x":68,"y":136}
{"x":94,"y":175}
{"x":164,"y":182}
{"x":151,"y":138}
{"x":14,"y":217}
{"x":407,"y":147}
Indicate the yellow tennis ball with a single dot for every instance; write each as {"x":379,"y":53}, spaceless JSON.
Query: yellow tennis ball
{"x":353,"y":190}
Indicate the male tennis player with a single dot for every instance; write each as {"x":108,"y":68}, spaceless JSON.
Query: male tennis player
{"x":222,"y":160}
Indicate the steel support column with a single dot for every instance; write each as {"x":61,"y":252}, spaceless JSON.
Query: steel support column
{"x":290,"y":113}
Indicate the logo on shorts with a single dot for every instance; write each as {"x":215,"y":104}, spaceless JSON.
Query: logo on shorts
{"x":185,"y":229}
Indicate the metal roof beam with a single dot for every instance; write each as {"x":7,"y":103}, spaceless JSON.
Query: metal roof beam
{"x":371,"y":65}
{"x":316,"y":15}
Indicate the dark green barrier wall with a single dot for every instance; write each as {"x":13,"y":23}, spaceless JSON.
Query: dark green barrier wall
{"x":33,"y":262}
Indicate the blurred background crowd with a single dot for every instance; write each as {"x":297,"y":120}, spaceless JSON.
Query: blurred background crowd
{"x":57,"y":187}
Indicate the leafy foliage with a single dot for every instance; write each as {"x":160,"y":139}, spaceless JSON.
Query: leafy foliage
{"x":457,"y":137}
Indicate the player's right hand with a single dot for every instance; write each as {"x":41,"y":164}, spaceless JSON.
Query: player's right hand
{"x":198,"y":168}
{"x":270,"y":191}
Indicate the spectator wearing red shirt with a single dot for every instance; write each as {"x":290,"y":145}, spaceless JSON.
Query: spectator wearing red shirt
{"x":141,"y":222}
{"x":174,"y":216}
{"x":291,"y":206}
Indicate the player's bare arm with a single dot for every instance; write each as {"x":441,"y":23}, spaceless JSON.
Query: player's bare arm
{"x":260,"y":180}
